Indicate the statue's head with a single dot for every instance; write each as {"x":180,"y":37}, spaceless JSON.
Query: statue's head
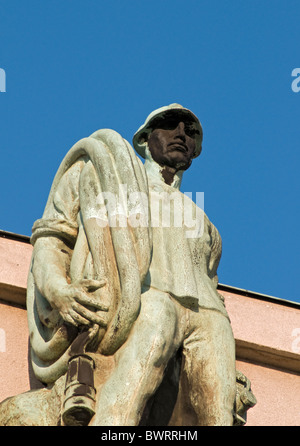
{"x":172,"y":134}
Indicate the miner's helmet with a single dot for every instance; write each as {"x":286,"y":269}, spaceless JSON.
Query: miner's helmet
{"x":141,"y":136}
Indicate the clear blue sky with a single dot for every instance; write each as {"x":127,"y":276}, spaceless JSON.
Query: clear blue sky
{"x":73,"y":67}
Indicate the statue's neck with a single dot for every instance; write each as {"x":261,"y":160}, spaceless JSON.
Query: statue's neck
{"x":160,"y":174}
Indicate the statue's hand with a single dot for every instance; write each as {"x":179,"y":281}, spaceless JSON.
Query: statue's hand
{"x":77,"y":306}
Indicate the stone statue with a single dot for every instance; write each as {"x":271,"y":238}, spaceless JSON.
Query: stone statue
{"x":122,"y":294}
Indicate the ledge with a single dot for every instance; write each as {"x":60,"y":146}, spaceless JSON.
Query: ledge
{"x":13,"y":236}
{"x":271,"y":357}
{"x":259,"y":296}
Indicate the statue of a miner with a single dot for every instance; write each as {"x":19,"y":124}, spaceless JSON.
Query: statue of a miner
{"x":122,"y":294}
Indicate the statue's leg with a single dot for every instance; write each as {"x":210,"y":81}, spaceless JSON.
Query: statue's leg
{"x":141,"y":363}
{"x":209,"y":368}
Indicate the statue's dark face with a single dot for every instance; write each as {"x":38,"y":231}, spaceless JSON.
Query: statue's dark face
{"x":172,"y":143}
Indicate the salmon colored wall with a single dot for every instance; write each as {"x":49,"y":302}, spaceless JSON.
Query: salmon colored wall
{"x":277,"y":393}
{"x":13,"y":351}
{"x":275,"y":326}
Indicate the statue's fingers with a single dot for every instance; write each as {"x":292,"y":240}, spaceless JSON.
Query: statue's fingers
{"x":77,"y":316}
{"x":86,"y":300}
{"x":91,"y":316}
{"x":92,"y":284}
{"x":68,"y":318}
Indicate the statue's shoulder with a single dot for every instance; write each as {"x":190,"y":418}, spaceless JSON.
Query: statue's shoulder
{"x":212,"y":231}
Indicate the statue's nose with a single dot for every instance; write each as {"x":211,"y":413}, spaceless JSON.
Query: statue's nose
{"x":180,"y":131}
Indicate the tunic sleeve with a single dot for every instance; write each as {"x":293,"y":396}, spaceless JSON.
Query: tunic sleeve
{"x":216,"y":252}
{"x":60,"y":215}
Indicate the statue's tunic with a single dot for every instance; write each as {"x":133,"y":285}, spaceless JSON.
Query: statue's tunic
{"x":173,"y":258}
{"x":186,"y":249}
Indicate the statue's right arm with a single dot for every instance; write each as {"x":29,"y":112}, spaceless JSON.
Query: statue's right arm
{"x":73,"y":301}
{"x":52,"y":255}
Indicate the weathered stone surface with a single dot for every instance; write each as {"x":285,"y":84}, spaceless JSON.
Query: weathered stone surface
{"x":126,"y":324}
{"x":34,"y":408}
